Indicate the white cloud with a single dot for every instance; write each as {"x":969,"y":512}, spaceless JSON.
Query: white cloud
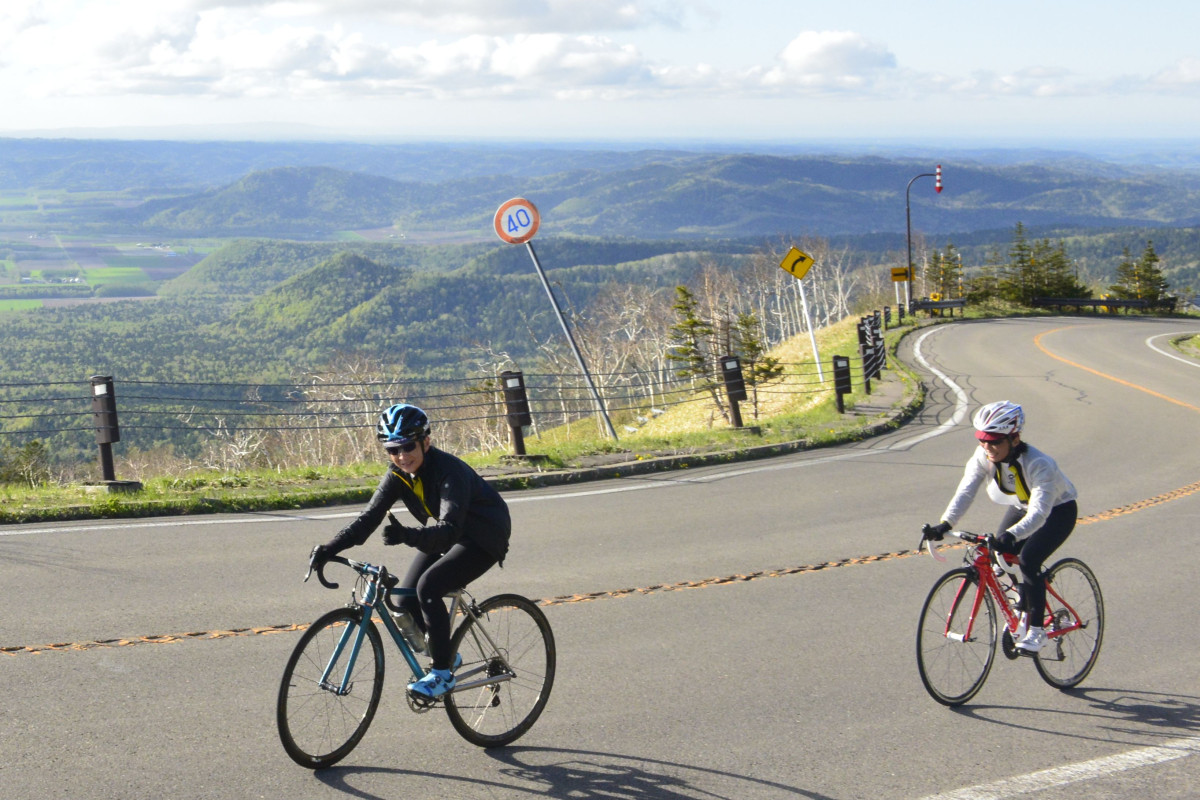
{"x":830,"y":60}
{"x":1184,"y":73}
{"x":491,"y":17}
{"x":577,"y":50}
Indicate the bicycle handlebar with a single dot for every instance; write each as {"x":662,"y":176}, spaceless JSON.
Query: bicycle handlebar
{"x":966,"y":536}
{"x":320,"y":568}
{"x":386,"y":579}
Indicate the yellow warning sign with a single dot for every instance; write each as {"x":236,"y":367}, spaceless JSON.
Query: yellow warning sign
{"x":899,"y":274}
{"x":796,"y":262}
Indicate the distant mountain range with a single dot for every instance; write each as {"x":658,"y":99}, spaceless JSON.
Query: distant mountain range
{"x":717,"y":197}
{"x":316,"y":191}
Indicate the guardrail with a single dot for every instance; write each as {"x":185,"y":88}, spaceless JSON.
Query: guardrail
{"x":1109,"y":305}
{"x":323,"y":422}
{"x":937,"y":305}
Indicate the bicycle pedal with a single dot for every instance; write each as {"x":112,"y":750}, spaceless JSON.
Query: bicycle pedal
{"x":420,"y":704}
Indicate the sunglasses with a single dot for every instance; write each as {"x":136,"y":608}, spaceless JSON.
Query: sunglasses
{"x":397,"y":449}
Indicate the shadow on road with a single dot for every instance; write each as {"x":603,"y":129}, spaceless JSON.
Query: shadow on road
{"x":551,"y":772}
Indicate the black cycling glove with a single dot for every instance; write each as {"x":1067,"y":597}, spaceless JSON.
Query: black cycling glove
{"x":1007,"y":543}
{"x":319,"y":556}
{"x":396,"y":533}
{"x":934,"y":533}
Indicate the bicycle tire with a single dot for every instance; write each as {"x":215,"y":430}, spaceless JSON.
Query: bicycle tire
{"x":954,"y":670}
{"x":317,"y":726}
{"x":496,"y":715}
{"x":1066,"y":660}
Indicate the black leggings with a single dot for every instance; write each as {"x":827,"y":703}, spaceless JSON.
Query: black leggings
{"x":1036,"y":549}
{"x":435,"y":576}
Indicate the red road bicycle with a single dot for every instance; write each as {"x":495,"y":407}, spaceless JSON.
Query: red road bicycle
{"x":959,"y":629}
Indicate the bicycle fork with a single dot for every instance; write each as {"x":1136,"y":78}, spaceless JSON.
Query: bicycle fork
{"x":345,"y":685}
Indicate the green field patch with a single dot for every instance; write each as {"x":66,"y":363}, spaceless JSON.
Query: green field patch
{"x":19,"y":305}
{"x":155,"y":261}
{"x":109,"y":275}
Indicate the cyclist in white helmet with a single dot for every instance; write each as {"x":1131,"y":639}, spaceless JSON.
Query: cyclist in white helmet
{"x":1040,"y":501}
{"x":464,"y":530}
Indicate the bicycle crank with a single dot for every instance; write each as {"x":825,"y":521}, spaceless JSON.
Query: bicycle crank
{"x":419,"y":704}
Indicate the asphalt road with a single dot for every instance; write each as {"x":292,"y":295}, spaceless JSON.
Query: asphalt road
{"x":742,"y":631}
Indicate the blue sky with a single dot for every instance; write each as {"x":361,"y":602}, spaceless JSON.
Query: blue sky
{"x":634,"y":70}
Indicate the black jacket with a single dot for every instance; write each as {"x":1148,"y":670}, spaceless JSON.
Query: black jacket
{"x":463,"y":505}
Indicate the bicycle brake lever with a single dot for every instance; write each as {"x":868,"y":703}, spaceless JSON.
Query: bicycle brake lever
{"x":937,"y":556}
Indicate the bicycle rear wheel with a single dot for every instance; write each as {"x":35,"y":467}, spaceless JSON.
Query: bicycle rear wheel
{"x":319,"y":724}
{"x":954,"y":665}
{"x":514,"y":640}
{"x":1067,"y":659}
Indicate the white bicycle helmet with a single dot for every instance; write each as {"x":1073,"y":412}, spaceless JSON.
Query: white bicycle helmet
{"x":998,"y":420}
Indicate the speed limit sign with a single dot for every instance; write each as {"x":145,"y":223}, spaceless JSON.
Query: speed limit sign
{"x":517,"y":221}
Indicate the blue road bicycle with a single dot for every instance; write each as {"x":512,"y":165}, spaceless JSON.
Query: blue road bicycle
{"x":334,"y":678}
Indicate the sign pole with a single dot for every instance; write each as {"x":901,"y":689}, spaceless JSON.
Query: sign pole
{"x":571,"y":339}
{"x":908,"y":221}
{"x":516,"y":222}
{"x":812,"y":336}
{"x":797,"y":262}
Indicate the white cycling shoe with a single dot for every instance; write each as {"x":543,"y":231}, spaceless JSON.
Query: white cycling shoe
{"x":1033,"y":641}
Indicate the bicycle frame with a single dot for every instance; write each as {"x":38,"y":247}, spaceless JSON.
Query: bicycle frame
{"x":372,"y":605}
{"x":981,"y":559}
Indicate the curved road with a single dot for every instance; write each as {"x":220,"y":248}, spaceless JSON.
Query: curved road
{"x":742,"y":631}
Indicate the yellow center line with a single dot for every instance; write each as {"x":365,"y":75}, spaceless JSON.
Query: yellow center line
{"x":1037,"y":341}
{"x":1102,"y":516}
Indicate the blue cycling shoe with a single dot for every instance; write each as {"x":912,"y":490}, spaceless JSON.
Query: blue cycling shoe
{"x":437,"y":683}
{"x":454,"y":665}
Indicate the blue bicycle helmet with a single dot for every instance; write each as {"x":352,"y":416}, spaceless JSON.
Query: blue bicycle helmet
{"x":401,"y":424}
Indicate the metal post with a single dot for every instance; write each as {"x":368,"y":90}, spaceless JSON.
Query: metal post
{"x":570,"y":339}
{"x":908,"y":228}
{"x":104,"y":414}
{"x":516,"y":405}
{"x":735,"y":387}
{"x":812,"y":336}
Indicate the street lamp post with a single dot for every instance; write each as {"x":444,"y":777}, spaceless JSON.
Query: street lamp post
{"x":908,"y":223}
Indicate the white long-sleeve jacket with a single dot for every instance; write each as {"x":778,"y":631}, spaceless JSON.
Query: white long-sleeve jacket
{"x":1032,"y":482}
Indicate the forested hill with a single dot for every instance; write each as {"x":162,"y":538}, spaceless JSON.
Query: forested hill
{"x":270,"y":310}
{"x":249,"y":267}
{"x":719,"y":196}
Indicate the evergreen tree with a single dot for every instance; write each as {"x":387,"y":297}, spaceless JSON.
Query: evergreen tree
{"x":1056,"y":272}
{"x":691,"y":346}
{"x":1142,"y":279}
{"x":944,"y":276}
{"x":757,"y":366}
{"x":1017,"y":276}
{"x":985,"y":284}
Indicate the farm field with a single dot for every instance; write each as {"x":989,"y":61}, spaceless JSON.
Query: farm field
{"x":55,"y":262}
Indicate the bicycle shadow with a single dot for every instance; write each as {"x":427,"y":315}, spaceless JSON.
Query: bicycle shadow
{"x":1144,"y":714}
{"x":569,"y":774}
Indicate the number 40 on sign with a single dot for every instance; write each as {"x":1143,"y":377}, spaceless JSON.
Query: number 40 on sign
{"x":517,"y":221}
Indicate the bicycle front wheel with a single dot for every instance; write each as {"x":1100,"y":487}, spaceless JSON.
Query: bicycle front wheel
{"x":511,"y":658}
{"x":956,"y":637}
{"x":322,"y":712}
{"x":1074,"y":604}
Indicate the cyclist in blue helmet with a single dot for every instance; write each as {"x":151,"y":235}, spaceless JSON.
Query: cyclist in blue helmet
{"x":464,"y":530}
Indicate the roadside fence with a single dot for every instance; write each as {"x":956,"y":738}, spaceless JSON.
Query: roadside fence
{"x":229,"y":426}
